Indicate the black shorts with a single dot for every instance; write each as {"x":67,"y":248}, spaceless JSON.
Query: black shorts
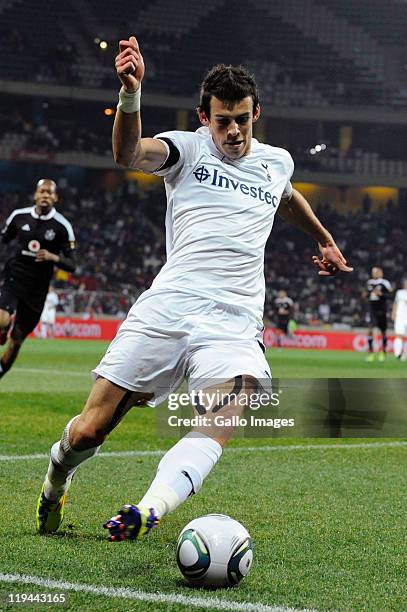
{"x":378,"y":318}
{"x":27,"y":317}
{"x":282,"y":324}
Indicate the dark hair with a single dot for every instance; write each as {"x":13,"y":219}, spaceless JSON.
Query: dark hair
{"x":229,"y":84}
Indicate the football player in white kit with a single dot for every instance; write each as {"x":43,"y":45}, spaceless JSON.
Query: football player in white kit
{"x":202,"y":317}
{"x":399,"y":316}
{"x":49,"y":313}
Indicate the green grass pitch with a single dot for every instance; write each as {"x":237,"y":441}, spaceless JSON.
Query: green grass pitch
{"x":327,"y":523}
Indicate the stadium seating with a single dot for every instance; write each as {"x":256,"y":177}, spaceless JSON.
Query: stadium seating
{"x":385,"y":26}
{"x":63,"y":127}
{"x":313,"y":52}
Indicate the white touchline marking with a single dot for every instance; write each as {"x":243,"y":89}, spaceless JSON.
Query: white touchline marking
{"x":233,"y":449}
{"x":133,"y":594}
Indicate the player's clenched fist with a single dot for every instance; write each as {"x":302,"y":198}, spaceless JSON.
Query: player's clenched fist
{"x":130,"y":64}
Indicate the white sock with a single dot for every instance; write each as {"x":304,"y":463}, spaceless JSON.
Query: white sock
{"x":64,"y":462}
{"x":181,"y":472}
{"x":398,"y":346}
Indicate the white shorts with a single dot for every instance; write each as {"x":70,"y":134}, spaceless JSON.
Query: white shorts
{"x":48,"y":317}
{"x":400,"y":326}
{"x":169,"y":336}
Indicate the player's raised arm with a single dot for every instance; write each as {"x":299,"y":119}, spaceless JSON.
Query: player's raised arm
{"x":297,"y":211}
{"x":129,"y":149}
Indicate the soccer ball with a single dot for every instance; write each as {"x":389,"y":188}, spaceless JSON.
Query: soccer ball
{"x":214,"y":550}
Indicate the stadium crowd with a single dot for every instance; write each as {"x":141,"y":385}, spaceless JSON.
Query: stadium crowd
{"x":121,"y":247}
{"x":53,"y":129}
{"x":343,"y":300}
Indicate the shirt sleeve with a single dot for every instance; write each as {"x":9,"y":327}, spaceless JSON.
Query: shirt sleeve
{"x":181,"y":149}
{"x":10,"y":229}
{"x":288,"y":189}
{"x":67,"y":253}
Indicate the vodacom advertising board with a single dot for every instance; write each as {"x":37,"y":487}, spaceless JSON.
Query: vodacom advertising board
{"x":332,"y":340}
{"x":83,"y":329}
{"x":105,"y":329}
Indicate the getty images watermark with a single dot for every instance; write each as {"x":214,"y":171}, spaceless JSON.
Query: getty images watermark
{"x":291,"y":408}
{"x":213,"y":408}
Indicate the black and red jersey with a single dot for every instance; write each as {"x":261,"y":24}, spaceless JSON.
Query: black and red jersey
{"x":29,"y":232}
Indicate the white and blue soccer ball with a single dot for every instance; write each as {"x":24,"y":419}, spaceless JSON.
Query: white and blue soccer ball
{"x":214,"y":551}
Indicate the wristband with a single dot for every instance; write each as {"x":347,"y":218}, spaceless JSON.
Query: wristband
{"x":129,"y":102}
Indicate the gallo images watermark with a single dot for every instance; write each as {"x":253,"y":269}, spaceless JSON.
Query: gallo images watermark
{"x":219,"y":408}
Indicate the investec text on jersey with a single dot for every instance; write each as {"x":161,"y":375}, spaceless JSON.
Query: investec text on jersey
{"x":202,"y":174}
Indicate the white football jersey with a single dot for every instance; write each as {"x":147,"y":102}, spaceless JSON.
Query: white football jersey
{"x":52,"y":300}
{"x":219,"y":215}
{"x":401,"y":301}
{"x":50,"y":308}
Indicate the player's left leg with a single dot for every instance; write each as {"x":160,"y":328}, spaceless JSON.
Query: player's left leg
{"x":44,"y":330}
{"x":282,"y":327}
{"x":370,"y":339}
{"x":25,"y":322}
{"x":8,"y":305}
{"x":183,"y":469}
{"x":400,"y":341}
{"x":5,"y":324}
{"x":398,"y":346}
{"x":14,"y":345}
{"x":382,"y":324}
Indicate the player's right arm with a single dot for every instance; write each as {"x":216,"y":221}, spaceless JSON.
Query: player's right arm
{"x":129,"y":148}
{"x":10,"y":230}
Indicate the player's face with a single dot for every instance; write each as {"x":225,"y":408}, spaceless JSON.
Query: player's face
{"x":377,"y":273}
{"x":45,"y":197}
{"x":231,"y":128}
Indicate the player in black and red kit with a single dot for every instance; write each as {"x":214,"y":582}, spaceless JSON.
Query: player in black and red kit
{"x":43,"y":238}
{"x":378,"y":289}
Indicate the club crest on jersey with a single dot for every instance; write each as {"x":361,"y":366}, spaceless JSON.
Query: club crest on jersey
{"x":34,"y":246}
{"x":266,"y":167}
{"x":49,"y":234}
{"x":218,"y":180}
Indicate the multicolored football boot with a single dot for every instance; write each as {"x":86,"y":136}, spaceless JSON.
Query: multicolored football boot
{"x":131,"y":523}
{"x":49,"y":513}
